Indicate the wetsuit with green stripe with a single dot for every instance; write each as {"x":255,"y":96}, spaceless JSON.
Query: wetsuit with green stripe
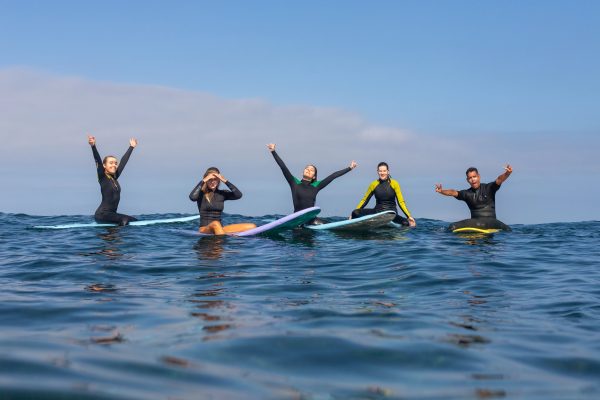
{"x":387,"y":193}
{"x":111,"y":191}
{"x":304,"y":193}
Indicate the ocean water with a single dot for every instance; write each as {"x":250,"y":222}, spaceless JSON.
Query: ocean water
{"x":155,"y":313}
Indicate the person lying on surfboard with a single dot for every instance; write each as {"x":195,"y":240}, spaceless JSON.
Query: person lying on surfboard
{"x":387,"y":193}
{"x":305,"y":190}
{"x":211,"y":199}
{"x":108,"y":171}
{"x":481,"y":200}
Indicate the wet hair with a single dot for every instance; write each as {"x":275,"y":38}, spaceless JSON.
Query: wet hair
{"x":107,"y":157}
{"x":472,"y":169}
{"x":314,"y":177}
{"x":204,"y":188}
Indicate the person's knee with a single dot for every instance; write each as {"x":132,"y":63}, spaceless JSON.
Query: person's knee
{"x":356,"y":213}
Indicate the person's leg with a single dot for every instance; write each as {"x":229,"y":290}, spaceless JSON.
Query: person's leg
{"x":361,"y":212}
{"x":400,"y":220}
{"x":113,"y":218}
{"x":234,"y":228}
{"x":214,"y":228}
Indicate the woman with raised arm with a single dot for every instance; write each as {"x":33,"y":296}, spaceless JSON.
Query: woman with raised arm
{"x":109,"y":171}
{"x":305,"y":190}
{"x":211,"y":201}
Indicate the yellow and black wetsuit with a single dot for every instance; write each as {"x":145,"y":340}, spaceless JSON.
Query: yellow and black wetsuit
{"x":111,"y":191}
{"x":387,"y":193}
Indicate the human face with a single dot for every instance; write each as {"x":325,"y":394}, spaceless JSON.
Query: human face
{"x":212,"y":183}
{"x":110,"y":165}
{"x":309,"y":172}
{"x":383,"y":172}
{"x":474,"y":179}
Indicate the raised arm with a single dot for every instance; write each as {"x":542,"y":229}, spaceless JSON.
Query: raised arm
{"x":445,"y":192}
{"x":286,"y":172}
{"x":132,"y":144}
{"x":507,"y":171}
{"x":336,"y":174}
{"x":97,"y":158}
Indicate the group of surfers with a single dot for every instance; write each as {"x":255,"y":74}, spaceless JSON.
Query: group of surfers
{"x":479,"y":197}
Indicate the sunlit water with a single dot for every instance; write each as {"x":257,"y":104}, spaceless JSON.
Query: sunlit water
{"x":156,"y":313}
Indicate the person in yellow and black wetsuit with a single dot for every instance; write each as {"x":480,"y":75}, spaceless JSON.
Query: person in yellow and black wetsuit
{"x":108,"y":171}
{"x":387,"y":193}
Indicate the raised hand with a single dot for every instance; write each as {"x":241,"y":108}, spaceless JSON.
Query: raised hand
{"x":91,"y":140}
{"x":133,"y":142}
{"x":353,"y":164}
{"x":438,"y":187}
{"x":271,"y":147}
{"x":508,"y":168}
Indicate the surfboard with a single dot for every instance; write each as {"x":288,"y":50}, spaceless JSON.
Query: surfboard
{"x":288,"y":222}
{"x":365,"y":223}
{"x":475,"y":230}
{"x":133,"y":223}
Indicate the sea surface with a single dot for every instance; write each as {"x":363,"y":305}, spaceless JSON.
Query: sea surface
{"x":154,"y":312}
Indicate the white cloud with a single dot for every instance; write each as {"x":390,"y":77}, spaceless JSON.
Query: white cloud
{"x":46,"y":159}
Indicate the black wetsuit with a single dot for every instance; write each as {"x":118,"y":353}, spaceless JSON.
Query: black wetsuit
{"x":211,"y":210}
{"x":482,"y":203}
{"x":111,"y":191}
{"x":387,"y":193}
{"x":304,"y":193}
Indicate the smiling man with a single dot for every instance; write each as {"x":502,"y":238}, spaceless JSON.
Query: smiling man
{"x":481,"y":199}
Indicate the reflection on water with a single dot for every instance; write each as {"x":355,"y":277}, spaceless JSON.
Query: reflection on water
{"x":111,"y":243}
{"x":210,"y":247}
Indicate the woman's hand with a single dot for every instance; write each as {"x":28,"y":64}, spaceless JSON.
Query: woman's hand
{"x":353,"y":164}
{"x":271,"y":147}
{"x":91,"y":140}
{"x":133,"y":142}
{"x":411,"y":222}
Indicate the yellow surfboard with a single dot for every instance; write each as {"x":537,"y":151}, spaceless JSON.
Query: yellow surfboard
{"x":475,"y":230}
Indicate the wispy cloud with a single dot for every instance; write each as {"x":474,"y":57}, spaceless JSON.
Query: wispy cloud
{"x":44,"y":119}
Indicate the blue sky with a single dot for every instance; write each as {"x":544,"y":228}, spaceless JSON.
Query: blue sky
{"x":432,"y":87}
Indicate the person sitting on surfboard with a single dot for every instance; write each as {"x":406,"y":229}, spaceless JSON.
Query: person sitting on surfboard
{"x":481,"y":199}
{"x":109,"y":171}
{"x":387,"y":193}
{"x":305,"y":190}
{"x":211,"y":201}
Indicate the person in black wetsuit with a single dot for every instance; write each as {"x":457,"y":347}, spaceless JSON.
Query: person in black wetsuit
{"x":387,"y":193}
{"x":109,"y":171}
{"x":481,"y":199}
{"x":305,"y":190}
{"x":211,"y":201}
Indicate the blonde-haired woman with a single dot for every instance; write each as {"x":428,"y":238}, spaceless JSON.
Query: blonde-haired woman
{"x":211,"y":201}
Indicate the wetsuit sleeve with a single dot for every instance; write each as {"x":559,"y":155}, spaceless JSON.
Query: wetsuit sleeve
{"x":461,"y":195}
{"x":399,"y":198}
{"x":196,"y":192}
{"x":331,"y":177}
{"x":98,"y":159}
{"x":286,"y":172}
{"x":123,"y":162}
{"x":368,"y":195}
{"x":234,"y":194}
{"x":494,"y":187}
